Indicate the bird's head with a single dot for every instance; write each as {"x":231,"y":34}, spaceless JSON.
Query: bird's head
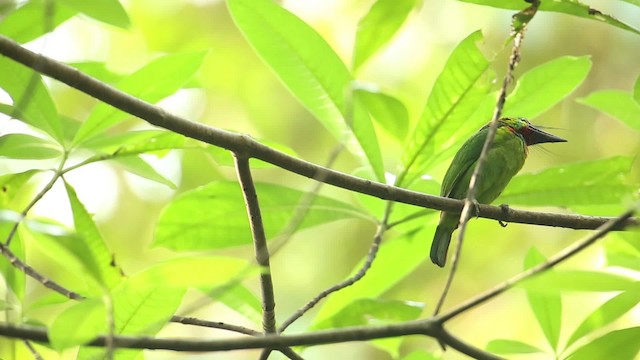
{"x":531,"y":134}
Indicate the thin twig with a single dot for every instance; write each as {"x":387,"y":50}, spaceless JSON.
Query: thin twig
{"x":470,"y":200}
{"x":555,"y":260}
{"x":36,"y":355}
{"x":245,"y":144}
{"x":214,"y":324}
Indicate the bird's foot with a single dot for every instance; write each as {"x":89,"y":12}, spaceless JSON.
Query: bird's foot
{"x":505,"y":211}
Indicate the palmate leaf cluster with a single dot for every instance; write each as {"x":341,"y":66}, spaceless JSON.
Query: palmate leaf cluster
{"x":199,"y":224}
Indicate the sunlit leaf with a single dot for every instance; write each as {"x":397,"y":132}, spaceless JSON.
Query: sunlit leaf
{"x":542,"y":87}
{"x":97,"y":70}
{"x":214,"y":216}
{"x":597,"y":182}
{"x":636,"y":90}
{"x":576,"y":280}
{"x":11,"y":184}
{"x":135,"y":142}
{"x":30,"y":97}
{"x":607,"y":313}
{"x":310,"y":69}
{"x":28,"y":147}
{"x":78,"y":324}
{"x":157,"y":80}
{"x":547,"y":307}
{"x":136,"y":165}
{"x":33,"y":19}
{"x":388,"y":111}
{"x":622,"y":344}
{"x":107,"y":11}
{"x":420,"y":355}
{"x":617,"y":103}
{"x":240,"y":299}
{"x":95,"y":253}
{"x":570,"y":7}
{"x":504,"y":346}
{"x":15,"y":279}
{"x":623,"y":250}
{"x":378,"y":26}
{"x":458,"y":92}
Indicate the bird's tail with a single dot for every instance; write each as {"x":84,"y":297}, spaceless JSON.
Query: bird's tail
{"x":440,"y":244}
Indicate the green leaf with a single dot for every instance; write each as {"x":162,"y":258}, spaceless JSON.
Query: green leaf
{"x":78,"y":324}
{"x":240,"y":299}
{"x":28,"y":147}
{"x":135,"y":143}
{"x":14,"y":278}
{"x":545,"y":85}
{"x":636,"y":90}
{"x":33,"y":19}
{"x":608,"y":312}
{"x":96,"y":255}
{"x":458,"y":92}
{"x":107,"y":11}
{"x":378,"y":26}
{"x":504,"y":346}
{"x":136,"y":165}
{"x":214,"y":216}
{"x":396,"y":259}
{"x":310,"y":69}
{"x":570,"y":7}
{"x":10,"y":186}
{"x":98,"y":70}
{"x":623,"y":250}
{"x":617,"y":103}
{"x":547,"y":307}
{"x":420,"y":355}
{"x":589,"y":281}
{"x":597,"y":182}
{"x":138,"y":310}
{"x":388,"y":111}
{"x":157,"y":80}
{"x":204,"y":272}
{"x":30,"y":97}
{"x":622,"y":344}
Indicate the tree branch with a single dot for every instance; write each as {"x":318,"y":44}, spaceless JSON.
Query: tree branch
{"x":244,"y":144}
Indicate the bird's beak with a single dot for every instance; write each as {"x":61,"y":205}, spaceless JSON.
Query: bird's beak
{"x":537,"y":136}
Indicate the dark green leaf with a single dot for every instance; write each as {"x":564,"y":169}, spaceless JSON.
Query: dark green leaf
{"x":547,"y":307}
{"x":619,"y":344}
{"x":608,"y":312}
{"x":107,"y":11}
{"x":597,"y":182}
{"x":214,"y":216}
{"x":544,"y":86}
{"x":30,"y":97}
{"x":458,"y":92}
{"x":504,"y":346}
{"x":34,"y":19}
{"x":310,"y":69}
{"x":617,"y":103}
{"x":388,"y":111}
{"x":378,"y":26}
{"x":571,"y":7}
{"x":78,"y":324}
{"x":95,"y":253}
{"x":157,"y":80}
{"x":28,"y":147}
{"x":136,"y":165}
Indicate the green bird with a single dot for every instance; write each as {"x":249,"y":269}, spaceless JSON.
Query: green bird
{"x":504,"y":159}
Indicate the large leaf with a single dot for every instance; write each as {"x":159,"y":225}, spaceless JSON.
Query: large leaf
{"x":544,"y":86}
{"x":136,"y":165}
{"x":547,"y":307}
{"x":310,"y":69}
{"x":621,"y":344}
{"x":35,"y":18}
{"x":378,"y":26}
{"x":388,"y":111}
{"x":503,"y":346}
{"x":97,"y":257}
{"x":576,"y":280}
{"x":157,"y":80}
{"x":14,"y":278}
{"x":617,"y":103}
{"x":107,"y":11}
{"x":28,"y":147}
{"x":78,"y":324}
{"x":571,"y":7}
{"x":214,"y":216}
{"x":597,"y":182}
{"x":607,"y":313}
{"x":458,"y":92}
{"x":30,"y":97}
{"x":135,"y":143}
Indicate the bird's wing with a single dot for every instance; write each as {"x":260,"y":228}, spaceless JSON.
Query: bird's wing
{"x":463,"y":161}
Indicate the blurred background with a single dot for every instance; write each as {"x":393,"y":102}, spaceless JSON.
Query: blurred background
{"x":237,"y":91}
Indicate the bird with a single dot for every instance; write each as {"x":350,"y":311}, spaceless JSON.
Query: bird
{"x":504,"y":159}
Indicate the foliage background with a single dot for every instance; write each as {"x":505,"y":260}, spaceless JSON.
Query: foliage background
{"x":235,"y":90}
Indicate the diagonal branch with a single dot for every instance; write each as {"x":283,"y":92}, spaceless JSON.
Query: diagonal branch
{"x":244,"y":144}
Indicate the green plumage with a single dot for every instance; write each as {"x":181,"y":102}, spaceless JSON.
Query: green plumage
{"x":504,"y":159}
